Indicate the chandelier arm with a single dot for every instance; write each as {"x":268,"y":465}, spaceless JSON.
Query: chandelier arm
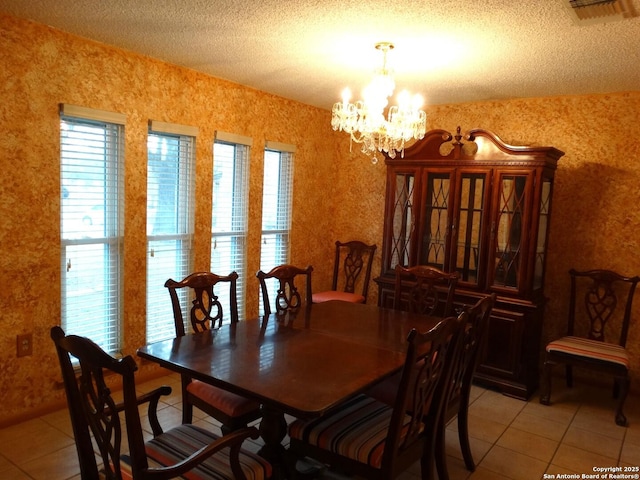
{"x":357,"y":137}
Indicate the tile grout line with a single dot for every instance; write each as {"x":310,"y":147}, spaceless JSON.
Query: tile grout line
{"x":560,"y":442}
{"x":504,"y":431}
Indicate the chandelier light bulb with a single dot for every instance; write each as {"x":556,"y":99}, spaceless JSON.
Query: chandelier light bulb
{"x":346,"y":96}
{"x":365,"y":120}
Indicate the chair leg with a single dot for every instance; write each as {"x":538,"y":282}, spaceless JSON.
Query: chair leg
{"x":569,"y":374}
{"x":426,"y":465}
{"x":441,"y":453}
{"x":545,"y":384}
{"x":187,"y":411}
{"x":624,"y":383}
{"x":463,"y":436}
{"x":187,"y":407}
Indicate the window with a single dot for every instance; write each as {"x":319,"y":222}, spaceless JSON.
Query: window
{"x":170,"y":220}
{"x":91,"y":174}
{"x":229,"y":212}
{"x":276,"y":209}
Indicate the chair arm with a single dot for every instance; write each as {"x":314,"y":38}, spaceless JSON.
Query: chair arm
{"x":233,"y":440}
{"x":152,"y":397}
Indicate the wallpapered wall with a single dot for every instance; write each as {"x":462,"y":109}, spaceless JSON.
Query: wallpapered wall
{"x":337,"y":193}
{"x":43,"y":68}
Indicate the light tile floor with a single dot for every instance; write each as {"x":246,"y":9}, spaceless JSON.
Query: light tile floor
{"x":510,"y":439}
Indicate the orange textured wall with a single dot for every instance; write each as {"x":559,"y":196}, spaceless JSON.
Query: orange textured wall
{"x":338,"y":194}
{"x":42,"y":68}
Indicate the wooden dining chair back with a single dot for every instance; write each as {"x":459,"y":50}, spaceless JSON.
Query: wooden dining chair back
{"x":351,"y":273}
{"x":373,"y":440}
{"x":206,"y":311}
{"x":424,"y":289}
{"x":96,"y":417}
{"x":287,"y":298}
{"x":474,"y":337}
{"x":600,"y":304}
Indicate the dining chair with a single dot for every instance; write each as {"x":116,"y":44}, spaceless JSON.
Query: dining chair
{"x":206,"y":312}
{"x":425,"y":289}
{"x":288,"y":297}
{"x":473,"y":341}
{"x":373,"y":440}
{"x":351,"y":271}
{"x":598,"y":325}
{"x":184,"y":450}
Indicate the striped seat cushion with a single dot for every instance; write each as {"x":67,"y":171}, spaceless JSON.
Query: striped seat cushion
{"x":605,"y":352}
{"x":225,"y":401}
{"x":356,"y":430}
{"x":335,"y":295}
{"x":178,"y":443}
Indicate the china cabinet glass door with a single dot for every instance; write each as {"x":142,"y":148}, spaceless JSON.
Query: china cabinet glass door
{"x":509,"y":230}
{"x":403,"y":219}
{"x":543,"y":225}
{"x":468,"y":227}
{"x":436,"y":219}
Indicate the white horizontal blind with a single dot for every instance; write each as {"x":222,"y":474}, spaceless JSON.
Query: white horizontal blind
{"x":276,"y":213}
{"x":170,"y":222}
{"x":229,"y":214}
{"x":91,"y":160}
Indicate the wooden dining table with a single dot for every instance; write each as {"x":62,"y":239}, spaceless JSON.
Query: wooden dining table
{"x":300,"y":364}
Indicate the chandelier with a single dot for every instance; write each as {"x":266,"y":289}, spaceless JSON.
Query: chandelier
{"x":365,"y":120}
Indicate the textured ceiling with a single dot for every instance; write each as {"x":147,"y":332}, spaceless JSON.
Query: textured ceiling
{"x":449,"y":51}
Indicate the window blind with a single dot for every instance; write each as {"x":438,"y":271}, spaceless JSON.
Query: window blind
{"x":276,"y":213}
{"x":229,"y":215}
{"x":91,"y":174}
{"x":170,"y":222}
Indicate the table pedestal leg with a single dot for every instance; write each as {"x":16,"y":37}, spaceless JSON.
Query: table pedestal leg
{"x":273,"y":429}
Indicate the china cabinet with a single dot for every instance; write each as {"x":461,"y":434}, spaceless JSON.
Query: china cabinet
{"x":475,"y":205}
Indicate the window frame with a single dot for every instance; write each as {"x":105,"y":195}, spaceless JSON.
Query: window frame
{"x":163,"y":260}
{"x":239,"y":217}
{"x":98,"y":292}
{"x":283,"y":199}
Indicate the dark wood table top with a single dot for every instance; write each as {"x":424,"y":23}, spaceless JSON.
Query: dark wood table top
{"x":301,"y":365}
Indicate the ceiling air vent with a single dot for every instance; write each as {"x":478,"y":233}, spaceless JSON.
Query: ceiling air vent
{"x":586,"y":12}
